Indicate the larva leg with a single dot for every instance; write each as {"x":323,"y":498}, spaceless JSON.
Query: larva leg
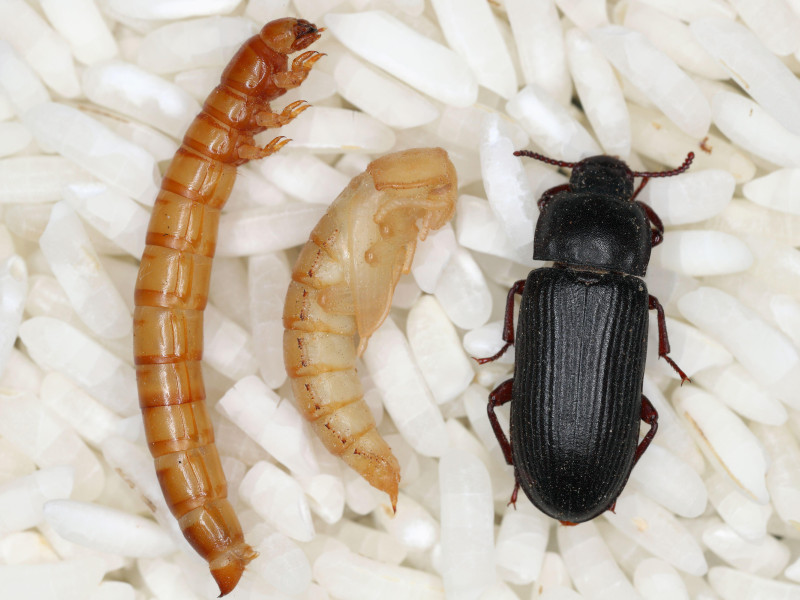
{"x":250,"y":152}
{"x":301,"y":67}
{"x":271,"y":120}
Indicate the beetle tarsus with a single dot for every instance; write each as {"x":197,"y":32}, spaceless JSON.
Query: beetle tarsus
{"x":649,"y":415}
{"x":513,"y":501}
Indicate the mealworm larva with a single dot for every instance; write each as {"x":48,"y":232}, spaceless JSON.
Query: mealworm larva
{"x":172,"y":287}
{"x":342,"y":285}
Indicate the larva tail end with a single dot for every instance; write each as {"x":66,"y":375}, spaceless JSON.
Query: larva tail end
{"x":372,"y":458}
{"x":227,"y":568}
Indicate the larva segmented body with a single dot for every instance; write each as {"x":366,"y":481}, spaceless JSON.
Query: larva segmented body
{"x":172,"y":287}
{"x":342,"y":285}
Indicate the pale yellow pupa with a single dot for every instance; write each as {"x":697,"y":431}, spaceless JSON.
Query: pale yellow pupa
{"x":342,"y":285}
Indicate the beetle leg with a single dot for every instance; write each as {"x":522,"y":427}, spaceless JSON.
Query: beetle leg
{"x":508,"y":327}
{"x":551,"y":193}
{"x":649,"y":416}
{"x":657,"y":233}
{"x":640,"y":188}
{"x":501,"y":395}
{"x":663,"y":340}
{"x":513,"y":501}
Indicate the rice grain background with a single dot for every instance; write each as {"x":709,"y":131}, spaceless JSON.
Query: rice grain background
{"x":95,"y":97}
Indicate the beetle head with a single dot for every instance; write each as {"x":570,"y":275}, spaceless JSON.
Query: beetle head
{"x":289,"y":35}
{"x":603,"y":175}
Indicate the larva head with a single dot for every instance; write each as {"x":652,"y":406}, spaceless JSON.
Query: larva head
{"x":420,"y":179}
{"x":289,"y":35}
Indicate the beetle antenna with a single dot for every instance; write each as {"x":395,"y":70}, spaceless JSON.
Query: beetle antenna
{"x":545,"y":159}
{"x":681,"y":169}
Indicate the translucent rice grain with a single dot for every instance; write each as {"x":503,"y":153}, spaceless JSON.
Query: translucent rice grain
{"x":767,"y":558}
{"x":278,"y":499}
{"x":783,"y":477}
{"x":371,"y":543}
{"x":26,"y":547}
{"x":82,"y":25}
{"x":345,"y":574}
{"x":657,"y":76}
{"x":702,"y":253}
{"x":470,"y":30}
{"x":107,"y":530}
{"x":405,"y":395}
{"x":93,"y":421}
{"x":431,"y":258}
{"x":672,"y":434}
{"x":591,"y":566}
{"x":550,"y":125}
{"x":671,"y":482}
{"x":656,"y":137}
{"x":744,"y":516}
{"x":586,"y":14}
{"x":774,"y":22}
{"x":690,"y":10}
{"x":507,"y":189}
{"x":13,"y":138}
{"x":725,"y":440}
{"x":165,"y":579}
{"x":263,"y":230}
{"x":656,"y":530}
{"x":334,"y":130}
{"x":413,"y":526}
{"x":304,"y":177}
{"x":766,"y":353}
{"x":82,"y":139}
{"x":655,"y":579}
{"x":274,"y":424}
{"x":467,"y":525}
{"x":268,"y":279}
{"x":283,"y":564}
{"x":37,"y":179}
{"x":13,"y":290}
{"x":72,"y":579}
{"x":172,"y":9}
{"x":692,"y":197}
{"x":521,"y":543}
{"x":55,"y":345}
{"x":759,"y":72}
{"x":389,"y":101}
{"x":600,"y":94}
{"x":750,"y":126}
{"x":228,"y":346}
{"x":739,"y":391}
{"x":437,"y":350}
{"x":206,"y":42}
{"x":41,"y":47}
{"x":22,"y":499}
{"x":264,"y":11}
{"x":115,"y":215}
{"x":463,"y":292}
{"x":76,"y":266}
{"x":673,"y":38}
{"x":540,"y":45}
{"x":21,"y":85}
{"x":130,"y":90}
{"x":778,"y":190}
{"x":26,"y":423}
{"x":731,"y":584}
{"x":387,"y":43}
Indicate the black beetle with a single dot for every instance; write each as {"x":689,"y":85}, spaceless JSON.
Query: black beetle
{"x":581,"y":342}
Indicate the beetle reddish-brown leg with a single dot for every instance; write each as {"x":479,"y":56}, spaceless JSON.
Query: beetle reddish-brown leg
{"x":499,"y":396}
{"x":508,"y":327}
{"x":301,"y":66}
{"x":657,"y":233}
{"x":649,"y":416}
{"x":663,"y":340}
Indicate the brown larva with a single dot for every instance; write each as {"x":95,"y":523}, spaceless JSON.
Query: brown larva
{"x":172,"y":287}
